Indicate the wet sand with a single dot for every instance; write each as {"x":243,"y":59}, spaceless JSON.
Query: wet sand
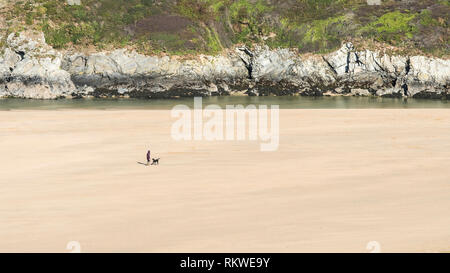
{"x":340,"y":179}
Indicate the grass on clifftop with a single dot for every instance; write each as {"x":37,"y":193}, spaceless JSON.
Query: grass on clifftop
{"x":392,"y":26}
{"x":209,"y":26}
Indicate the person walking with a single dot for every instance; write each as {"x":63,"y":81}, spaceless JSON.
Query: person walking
{"x":148,"y":157}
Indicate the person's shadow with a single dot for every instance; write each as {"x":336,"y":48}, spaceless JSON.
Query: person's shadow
{"x":145,"y":164}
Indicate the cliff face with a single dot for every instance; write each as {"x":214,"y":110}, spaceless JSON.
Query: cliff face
{"x":349,"y":71}
{"x":29,"y":68}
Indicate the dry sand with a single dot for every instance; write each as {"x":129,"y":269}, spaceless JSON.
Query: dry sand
{"x":340,"y":179}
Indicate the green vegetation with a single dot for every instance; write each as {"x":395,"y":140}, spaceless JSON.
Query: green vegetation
{"x":195,"y":10}
{"x":2,"y":44}
{"x":209,"y":26}
{"x":392,"y":27}
{"x":213,"y":41}
{"x":315,"y":36}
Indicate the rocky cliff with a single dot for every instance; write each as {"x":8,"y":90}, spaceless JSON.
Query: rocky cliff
{"x":29,"y":68}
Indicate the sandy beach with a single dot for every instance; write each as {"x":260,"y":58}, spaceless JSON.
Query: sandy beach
{"x":339,"y":180}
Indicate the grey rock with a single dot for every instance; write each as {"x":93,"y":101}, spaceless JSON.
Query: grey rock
{"x":427,"y":77}
{"x":390,"y":92}
{"x":360,"y":92}
{"x":366,"y":69}
{"x":152,"y":76}
{"x":29,"y":68}
{"x":73,"y":2}
{"x":284,"y":71}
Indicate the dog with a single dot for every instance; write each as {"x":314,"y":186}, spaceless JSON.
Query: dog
{"x":155,"y":161}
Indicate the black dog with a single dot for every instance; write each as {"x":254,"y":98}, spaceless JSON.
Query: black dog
{"x":155,"y":161}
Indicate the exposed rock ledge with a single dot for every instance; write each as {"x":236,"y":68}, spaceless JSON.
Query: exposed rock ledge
{"x":29,"y":68}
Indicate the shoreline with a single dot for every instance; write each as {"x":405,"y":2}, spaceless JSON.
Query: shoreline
{"x":284,"y":102}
